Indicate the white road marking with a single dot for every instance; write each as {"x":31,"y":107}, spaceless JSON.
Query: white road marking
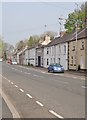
{"x":74,"y":77}
{"x":27,"y":73}
{"x":43,"y":72}
{"x":59,"y":74}
{"x":84,"y":87}
{"x":83,"y":78}
{"x":12,"y":83}
{"x":54,"y":113}
{"x":29,"y":95}
{"x":16,"y":86}
{"x":10,"y":106}
{"x":39,"y":103}
{"x":9,"y":81}
{"x":35,"y":75}
{"x":21,"y":90}
{"x":41,"y":76}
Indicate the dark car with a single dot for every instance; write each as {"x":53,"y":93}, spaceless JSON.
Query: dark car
{"x":56,"y":68}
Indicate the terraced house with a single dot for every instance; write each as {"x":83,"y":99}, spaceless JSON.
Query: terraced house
{"x":78,"y":51}
{"x":66,"y":50}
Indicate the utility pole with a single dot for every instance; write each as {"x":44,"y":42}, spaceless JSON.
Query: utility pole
{"x":45,"y":27}
{"x":76,"y":26}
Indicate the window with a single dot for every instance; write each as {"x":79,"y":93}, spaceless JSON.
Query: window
{"x":47,"y":51}
{"x":54,"y":60}
{"x":47,"y":61}
{"x":82,"y":45}
{"x":73,"y":48}
{"x":64,"y":49}
{"x":51,"y":60}
{"x":72,"y":59}
{"x":59,"y":60}
{"x":59,"y":49}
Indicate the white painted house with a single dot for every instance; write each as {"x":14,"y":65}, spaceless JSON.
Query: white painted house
{"x":56,"y":52}
{"x":32,"y":56}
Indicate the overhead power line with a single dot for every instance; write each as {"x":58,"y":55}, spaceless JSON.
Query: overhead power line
{"x":33,"y":28}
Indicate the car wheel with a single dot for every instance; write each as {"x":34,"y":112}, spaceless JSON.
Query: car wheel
{"x":52,"y":71}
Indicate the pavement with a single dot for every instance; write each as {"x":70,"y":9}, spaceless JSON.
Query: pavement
{"x":80,"y":72}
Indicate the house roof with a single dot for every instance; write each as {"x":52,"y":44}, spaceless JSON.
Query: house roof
{"x":82,"y":33}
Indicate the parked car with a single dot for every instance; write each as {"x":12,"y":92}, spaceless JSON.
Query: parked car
{"x":14,"y":63}
{"x":10,"y":61}
{"x":1,"y":59}
{"x":56,"y":68}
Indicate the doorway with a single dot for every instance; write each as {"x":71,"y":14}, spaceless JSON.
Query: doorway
{"x":39,"y":61}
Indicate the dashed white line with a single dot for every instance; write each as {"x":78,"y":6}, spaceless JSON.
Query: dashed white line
{"x":16,"y":86}
{"x":41,"y":76}
{"x":9,"y":81}
{"x":57,"y":115}
{"x":29,"y":95}
{"x":39,"y":103}
{"x":84,"y":87}
{"x":12,"y":83}
{"x":35,"y":75}
{"x":43,"y":72}
{"x":27,"y":73}
{"x":21,"y":90}
{"x":74,"y":77}
{"x":83,"y":78}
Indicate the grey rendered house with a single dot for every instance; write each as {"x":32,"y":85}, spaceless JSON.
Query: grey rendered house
{"x":78,"y":51}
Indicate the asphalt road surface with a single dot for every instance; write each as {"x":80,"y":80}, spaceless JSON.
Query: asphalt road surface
{"x":35,"y":93}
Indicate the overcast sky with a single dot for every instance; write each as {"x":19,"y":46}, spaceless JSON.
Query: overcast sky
{"x":23,"y":19}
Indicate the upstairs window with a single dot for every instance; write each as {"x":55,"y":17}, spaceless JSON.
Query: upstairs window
{"x":64,"y":49}
{"x":47,"y":51}
{"x":82,"y":45}
{"x":73,"y":48}
{"x":47,"y":61}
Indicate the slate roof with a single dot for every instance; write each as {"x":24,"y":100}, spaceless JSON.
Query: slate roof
{"x":82,"y":33}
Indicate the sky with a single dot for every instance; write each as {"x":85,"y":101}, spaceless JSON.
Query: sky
{"x":20,"y":20}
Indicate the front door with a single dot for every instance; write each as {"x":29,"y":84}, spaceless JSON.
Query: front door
{"x":39,"y":61}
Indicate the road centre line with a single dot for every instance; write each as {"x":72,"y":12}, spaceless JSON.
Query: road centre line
{"x":74,"y":77}
{"x":57,"y":115}
{"x":39,"y":103}
{"x":21,"y":90}
{"x":16,"y":86}
{"x":83,"y":78}
{"x":84,"y":87}
{"x":27,"y":73}
{"x":29,"y":95}
{"x":35,"y":75}
{"x":12,"y":83}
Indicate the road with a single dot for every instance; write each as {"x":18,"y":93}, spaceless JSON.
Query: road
{"x":35,"y":93}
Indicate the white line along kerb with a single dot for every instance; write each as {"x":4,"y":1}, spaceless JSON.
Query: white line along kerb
{"x":54,"y":113}
{"x":29,"y":95}
{"x":39,"y":103}
{"x":21,"y":90}
{"x":84,"y":87}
